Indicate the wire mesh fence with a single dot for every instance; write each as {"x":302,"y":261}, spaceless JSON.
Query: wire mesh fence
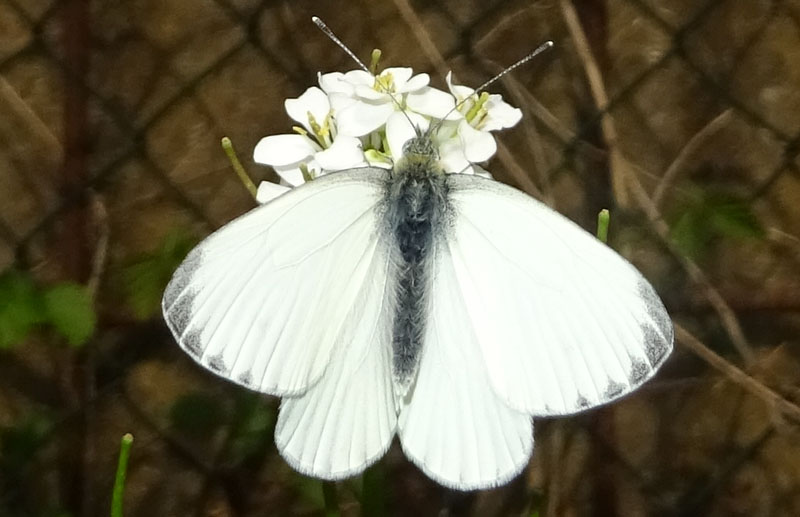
{"x":682,"y":117}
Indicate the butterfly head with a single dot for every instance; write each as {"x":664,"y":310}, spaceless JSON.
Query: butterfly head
{"x":420,"y":156}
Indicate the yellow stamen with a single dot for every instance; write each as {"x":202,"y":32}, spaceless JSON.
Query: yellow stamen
{"x":384,"y":82}
{"x":473,"y":111}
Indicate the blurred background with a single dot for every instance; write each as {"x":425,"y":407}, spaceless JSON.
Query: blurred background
{"x":680,"y":116}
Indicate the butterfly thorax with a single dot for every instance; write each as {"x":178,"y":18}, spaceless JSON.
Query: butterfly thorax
{"x":416,"y":204}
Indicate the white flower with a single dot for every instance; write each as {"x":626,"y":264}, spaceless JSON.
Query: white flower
{"x":472,"y":141}
{"x":315,"y":149}
{"x":355,"y":119}
{"x":487,"y":112}
{"x":363,"y":102}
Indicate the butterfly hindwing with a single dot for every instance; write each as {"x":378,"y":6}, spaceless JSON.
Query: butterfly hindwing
{"x":563,"y":322}
{"x":347,"y":420}
{"x":453,"y":426}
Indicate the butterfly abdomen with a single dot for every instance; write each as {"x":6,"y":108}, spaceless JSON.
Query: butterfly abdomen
{"x":414,"y":210}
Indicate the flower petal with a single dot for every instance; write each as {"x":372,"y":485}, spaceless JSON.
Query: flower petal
{"x":474,"y":168}
{"x":400,"y":128}
{"x":282,"y":150}
{"x":361,"y":118}
{"x":417,"y":82}
{"x":314,"y":101}
{"x":451,"y":156}
{"x":400,"y":76}
{"x":267,"y":191}
{"x":447,"y":129}
{"x":478,"y":145}
{"x":335,"y":82}
{"x":292,"y":175}
{"x":340,"y":101}
{"x":344,"y":153}
{"x":459,"y":92}
{"x":499,"y":114}
{"x":356,"y":77}
{"x":432,"y":102}
{"x":368,"y":93}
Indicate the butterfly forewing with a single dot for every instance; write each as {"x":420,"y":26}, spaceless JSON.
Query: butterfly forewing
{"x":265,"y":300}
{"x":563,"y":322}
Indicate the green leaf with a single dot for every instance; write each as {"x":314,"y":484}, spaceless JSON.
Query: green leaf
{"x":145,"y":278}
{"x":197,"y":415}
{"x":20,"y":307}
{"x":70,"y":311}
{"x":707,"y":216}
{"x":733,"y":218}
{"x":690,"y":234}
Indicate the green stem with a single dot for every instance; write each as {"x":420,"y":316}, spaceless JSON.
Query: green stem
{"x":331,"y":499}
{"x":122,"y":471}
{"x":227,"y":146}
{"x":602,"y":225}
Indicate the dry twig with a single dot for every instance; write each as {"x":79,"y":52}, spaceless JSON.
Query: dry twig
{"x":730,"y":371}
{"x":423,"y":38}
{"x":618,"y":165}
{"x":679,"y":163}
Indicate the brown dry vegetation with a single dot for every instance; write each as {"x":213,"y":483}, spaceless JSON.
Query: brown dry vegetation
{"x":109,"y":143}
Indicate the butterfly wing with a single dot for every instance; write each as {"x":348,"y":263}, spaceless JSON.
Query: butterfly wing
{"x":347,"y":420}
{"x":453,"y":426}
{"x":562,"y":321}
{"x":266,"y":299}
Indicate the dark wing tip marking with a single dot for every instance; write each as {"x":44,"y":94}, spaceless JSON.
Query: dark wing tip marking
{"x":182,"y":277}
{"x":217,"y":364}
{"x":180,"y":313}
{"x":640,"y":370}
{"x":193,"y":344}
{"x":658,"y":338}
{"x":246,"y":378}
{"x":613,"y":389}
{"x":656,"y":348}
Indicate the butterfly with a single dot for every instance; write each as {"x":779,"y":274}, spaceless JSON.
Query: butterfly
{"x":445,"y":309}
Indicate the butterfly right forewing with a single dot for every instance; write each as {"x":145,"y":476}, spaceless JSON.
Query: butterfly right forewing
{"x":564,"y":322}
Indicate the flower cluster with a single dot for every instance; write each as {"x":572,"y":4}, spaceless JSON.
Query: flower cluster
{"x":357,"y":119}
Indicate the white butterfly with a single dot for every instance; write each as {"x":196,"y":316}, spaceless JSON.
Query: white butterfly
{"x":446,"y":309}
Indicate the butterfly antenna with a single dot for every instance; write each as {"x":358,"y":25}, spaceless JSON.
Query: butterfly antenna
{"x":328,"y":32}
{"x":541,"y":48}
{"x":547,"y":45}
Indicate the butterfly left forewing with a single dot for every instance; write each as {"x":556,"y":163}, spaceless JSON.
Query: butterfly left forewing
{"x":264,"y":300}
